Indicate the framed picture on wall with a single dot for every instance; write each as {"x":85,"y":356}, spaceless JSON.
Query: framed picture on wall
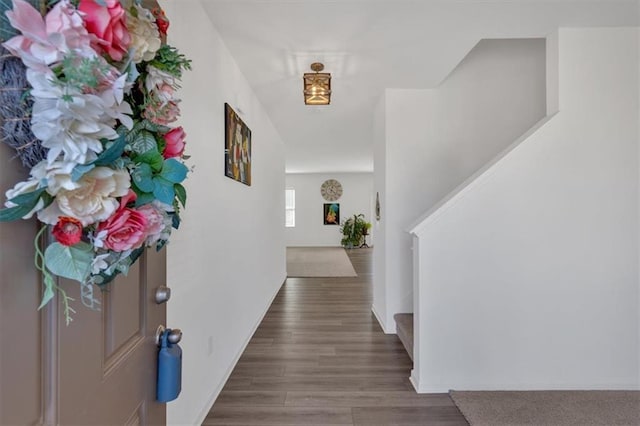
{"x":237,"y":147}
{"x":331,"y":214}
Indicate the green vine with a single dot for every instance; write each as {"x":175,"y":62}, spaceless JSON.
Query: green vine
{"x":168,"y":59}
{"x":50,"y":286}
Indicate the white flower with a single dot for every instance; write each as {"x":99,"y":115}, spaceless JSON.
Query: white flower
{"x":164,"y":207}
{"x":99,"y":263}
{"x":92,"y":201}
{"x":97,"y":239}
{"x":158,"y":78}
{"x":115,"y":106}
{"x":55,"y":176}
{"x":145,"y":38}
{"x":72,"y":123}
{"x":68,"y":122}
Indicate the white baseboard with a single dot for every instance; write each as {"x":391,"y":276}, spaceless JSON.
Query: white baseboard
{"x":442,"y":388}
{"x":212,"y":398}
{"x":415,"y":381}
{"x":385,"y":329}
{"x":426,"y":389}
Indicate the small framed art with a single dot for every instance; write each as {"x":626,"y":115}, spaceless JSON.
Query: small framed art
{"x":331,"y":214}
{"x":237,"y":148}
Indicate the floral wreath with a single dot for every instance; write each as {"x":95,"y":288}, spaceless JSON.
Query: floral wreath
{"x":93,"y":86}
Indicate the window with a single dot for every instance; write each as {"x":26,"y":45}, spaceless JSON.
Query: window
{"x":290,"y":208}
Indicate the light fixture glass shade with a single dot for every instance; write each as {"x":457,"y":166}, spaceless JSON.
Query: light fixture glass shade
{"x":317,"y":88}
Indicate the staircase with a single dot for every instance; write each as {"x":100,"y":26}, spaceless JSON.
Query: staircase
{"x":404,"y":327}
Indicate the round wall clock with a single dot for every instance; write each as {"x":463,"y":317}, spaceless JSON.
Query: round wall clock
{"x":331,"y":190}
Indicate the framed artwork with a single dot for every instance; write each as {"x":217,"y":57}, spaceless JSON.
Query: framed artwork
{"x":237,"y":147}
{"x":331,"y":214}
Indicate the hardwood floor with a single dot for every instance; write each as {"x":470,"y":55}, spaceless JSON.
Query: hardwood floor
{"x":319,"y":357}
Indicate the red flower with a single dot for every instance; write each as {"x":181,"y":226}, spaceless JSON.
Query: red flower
{"x":175,"y":143}
{"x":107,"y":23}
{"x":67,"y":231}
{"x":161,"y":20}
{"x":126,"y":228}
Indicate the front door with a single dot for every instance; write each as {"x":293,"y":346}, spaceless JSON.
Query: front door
{"x":101,"y":369}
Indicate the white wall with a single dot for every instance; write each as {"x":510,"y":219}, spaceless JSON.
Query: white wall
{"x":310,"y":229}
{"x":529,"y":276}
{"x":227,"y":261}
{"x":435,"y":139}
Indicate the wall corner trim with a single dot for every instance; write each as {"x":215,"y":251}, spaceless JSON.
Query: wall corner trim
{"x":383,"y":325}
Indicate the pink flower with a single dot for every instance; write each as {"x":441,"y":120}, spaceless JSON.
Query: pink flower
{"x":156,"y":222}
{"x":165,"y":93}
{"x":161,"y":113}
{"x":45,"y":41}
{"x":174,"y":143}
{"x":126,"y":228}
{"x":67,"y":231}
{"x":64,"y":19}
{"x":108,"y":24}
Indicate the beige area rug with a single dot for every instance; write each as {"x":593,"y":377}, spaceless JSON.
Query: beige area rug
{"x":319,"y":262}
{"x":549,"y":408}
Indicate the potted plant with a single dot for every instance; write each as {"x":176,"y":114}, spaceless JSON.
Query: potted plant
{"x":353,"y":231}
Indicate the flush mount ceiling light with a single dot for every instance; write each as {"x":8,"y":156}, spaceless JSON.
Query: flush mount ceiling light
{"x":317,"y":86}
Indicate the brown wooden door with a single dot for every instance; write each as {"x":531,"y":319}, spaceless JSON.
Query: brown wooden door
{"x":107,"y":359}
{"x":21,"y":368}
{"x":101,"y":369}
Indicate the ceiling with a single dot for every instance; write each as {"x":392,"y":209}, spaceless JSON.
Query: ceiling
{"x":367,"y":46}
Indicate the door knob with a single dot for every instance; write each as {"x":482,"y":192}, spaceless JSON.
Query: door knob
{"x":163,"y":294}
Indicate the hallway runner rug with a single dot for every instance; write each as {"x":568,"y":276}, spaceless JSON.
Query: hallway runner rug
{"x":318,"y":262}
{"x":557,"y":408}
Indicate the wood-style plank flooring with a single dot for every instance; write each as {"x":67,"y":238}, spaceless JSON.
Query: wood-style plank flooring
{"x":319,"y":357}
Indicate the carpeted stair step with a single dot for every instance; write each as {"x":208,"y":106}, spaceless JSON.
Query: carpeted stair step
{"x":404,"y":327}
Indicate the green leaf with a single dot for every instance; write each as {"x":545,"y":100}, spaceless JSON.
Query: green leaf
{"x":48,"y":293}
{"x":131,"y":135}
{"x":25,"y":204}
{"x":168,"y":59}
{"x":28,"y":198}
{"x":152,"y":158}
{"x":153,"y":127}
{"x":181,"y":193}
{"x":79,"y":171}
{"x":132,"y":72}
{"x":122,"y":131}
{"x":112,"y":153}
{"x":144,"y":142}
{"x":13,"y":213}
{"x":160,"y":244}
{"x":144,"y":198}
{"x":73,"y":262}
{"x":135,"y":255}
{"x":174,"y":171}
{"x":175,"y":220}
{"x":163,"y":190}
{"x":142,"y":177}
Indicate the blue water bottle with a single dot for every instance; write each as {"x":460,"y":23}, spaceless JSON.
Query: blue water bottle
{"x":169,"y":366}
